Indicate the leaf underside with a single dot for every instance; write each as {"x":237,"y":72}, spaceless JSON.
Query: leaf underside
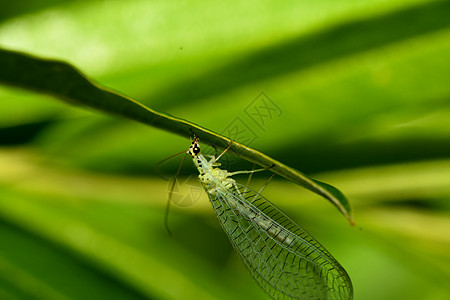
{"x":67,"y":83}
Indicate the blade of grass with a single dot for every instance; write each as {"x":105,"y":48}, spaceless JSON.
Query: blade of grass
{"x":65,"y":82}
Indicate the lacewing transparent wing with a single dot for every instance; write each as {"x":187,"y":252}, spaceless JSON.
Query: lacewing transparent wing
{"x":284,"y":259}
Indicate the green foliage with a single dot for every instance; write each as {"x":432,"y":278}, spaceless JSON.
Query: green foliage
{"x":362,"y":93}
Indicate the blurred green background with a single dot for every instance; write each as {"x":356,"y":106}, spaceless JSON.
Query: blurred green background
{"x":361,"y":94}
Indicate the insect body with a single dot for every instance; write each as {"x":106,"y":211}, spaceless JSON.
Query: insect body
{"x":283,"y":258}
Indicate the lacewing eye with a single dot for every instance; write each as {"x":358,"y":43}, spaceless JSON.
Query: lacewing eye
{"x":196,"y":150}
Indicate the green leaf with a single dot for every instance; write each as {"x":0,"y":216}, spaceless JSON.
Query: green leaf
{"x":66,"y":82}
